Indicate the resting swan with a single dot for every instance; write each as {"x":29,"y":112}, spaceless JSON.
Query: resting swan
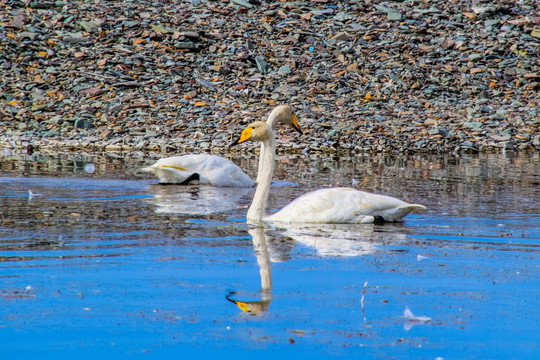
{"x":334,"y":205}
{"x":211,"y":169}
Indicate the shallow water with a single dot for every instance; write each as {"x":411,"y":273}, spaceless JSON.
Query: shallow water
{"x":99,"y":260}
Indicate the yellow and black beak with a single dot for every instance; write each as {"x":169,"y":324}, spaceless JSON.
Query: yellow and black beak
{"x":295,"y":125}
{"x":246,"y":135}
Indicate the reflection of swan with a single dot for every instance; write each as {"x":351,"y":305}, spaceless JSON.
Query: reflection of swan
{"x":196,"y":200}
{"x":211,"y":169}
{"x":340,"y":239}
{"x":263,"y":259}
{"x":327,"y":239}
{"x":335,"y":205}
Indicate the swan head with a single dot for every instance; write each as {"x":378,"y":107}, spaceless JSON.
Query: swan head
{"x":284,"y":115}
{"x":256,"y":131}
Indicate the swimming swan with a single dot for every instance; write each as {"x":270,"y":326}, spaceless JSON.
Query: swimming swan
{"x":211,"y":169}
{"x":334,"y":205}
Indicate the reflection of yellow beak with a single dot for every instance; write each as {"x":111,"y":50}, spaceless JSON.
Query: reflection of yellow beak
{"x":242,"y":305}
{"x":251,"y":307}
{"x":246,"y":134}
{"x":295,"y":124}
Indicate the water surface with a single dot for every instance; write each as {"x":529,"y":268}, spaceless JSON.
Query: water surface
{"x":99,"y":260}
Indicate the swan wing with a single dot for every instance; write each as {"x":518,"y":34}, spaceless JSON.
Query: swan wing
{"x":171,"y":170}
{"x":213,"y":170}
{"x":343,"y":205}
{"x":223,"y":172}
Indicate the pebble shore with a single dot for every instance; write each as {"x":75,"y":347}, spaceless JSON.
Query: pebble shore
{"x":185,"y":76}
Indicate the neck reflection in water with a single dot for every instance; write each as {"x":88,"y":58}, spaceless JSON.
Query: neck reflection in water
{"x":262,"y":305}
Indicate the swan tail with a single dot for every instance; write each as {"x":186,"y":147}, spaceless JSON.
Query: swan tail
{"x":149,"y":169}
{"x":400,"y":212}
{"x":413,"y":207}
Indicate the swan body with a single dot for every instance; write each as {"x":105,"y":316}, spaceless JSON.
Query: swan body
{"x":334,"y":205}
{"x":211,"y":169}
{"x":343,"y":206}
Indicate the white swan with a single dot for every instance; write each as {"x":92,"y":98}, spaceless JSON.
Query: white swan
{"x":334,"y":205}
{"x":211,"y":169}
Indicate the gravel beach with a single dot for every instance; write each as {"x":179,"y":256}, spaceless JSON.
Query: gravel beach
{"x":185,"y":76}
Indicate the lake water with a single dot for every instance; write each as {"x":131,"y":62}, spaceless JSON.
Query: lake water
{"x":98,"y":260}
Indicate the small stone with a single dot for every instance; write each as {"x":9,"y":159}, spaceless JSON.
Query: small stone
{"x":523,"y":136}
{"x":115,"y":108}
{"x":341,"y":36}
{"x":90,"y":26}
{"x":83,"y":124}
{"x":92,"y":91}
{"x":285,"y":69}
{"x":19,"y":21}
{"x":393,"y":16}
{"x":206,"y":84}
{"x":352,"y":67}
{"x":287,"y":90}
{"x":477,"y":70}
{"x":502,"y":137}
{"x":475,"y":125}
{"x":28,"y":35}
{"x":268,"y":27}
{"x":189,"y":45}
{"x":161,"y":29}
{"x":262,"y":65}
{"x":242,"y":3}
{"x":130,"y":23}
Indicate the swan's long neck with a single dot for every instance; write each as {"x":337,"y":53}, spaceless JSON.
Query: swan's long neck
{"x":257,"y":209}
{"x":272,"y":122}
{"x":273,"y":119}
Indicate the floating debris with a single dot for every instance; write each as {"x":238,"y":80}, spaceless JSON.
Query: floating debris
{"x":31,"y":195}
{"x":413,"y":319}
{"x":89,"y":168}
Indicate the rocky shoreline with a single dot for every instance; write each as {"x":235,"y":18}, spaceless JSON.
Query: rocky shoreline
{"x":184,"y":76}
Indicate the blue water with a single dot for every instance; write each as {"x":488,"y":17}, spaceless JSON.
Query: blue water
{"x":106,"y":267}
